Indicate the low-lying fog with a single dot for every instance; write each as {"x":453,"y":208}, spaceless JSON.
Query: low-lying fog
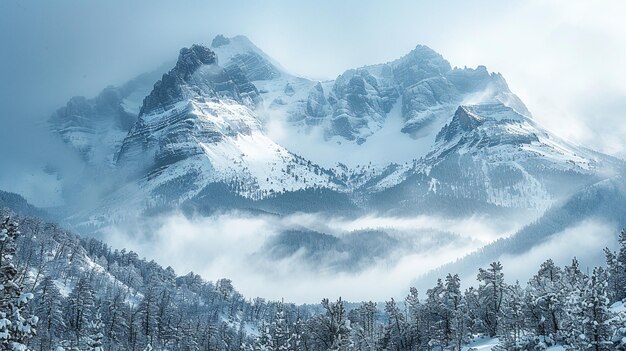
{"x":303,"y":257}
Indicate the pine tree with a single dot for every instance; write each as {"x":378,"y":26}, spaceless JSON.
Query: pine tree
{"x":49,"y":309}
{"x":454,"y":305}
{"x":148,"y":312}
{"x":115,"y":317}
{"x":79,"y":310}
{"x":331,"y":330}
{"x":491,"y":293}
{"x":545,"y":292}
{"x":574,"y":283}
{"x":619,"y":337}
{"x":513,"y":321}
{"x":414,"y":317}
{"x":597,"y":321}
{"x":95,"y":340}
{"x":277,"y":336}
{"x":17,"y":327}
{"x":436,"y":321}
{"x":573,"y":335}
{"x":616,"y":262}
{"x":397,"y":328}
{"x":364,"y":332}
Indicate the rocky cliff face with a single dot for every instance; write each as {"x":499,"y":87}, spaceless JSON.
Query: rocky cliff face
{"x":170,"y":117}
{"x":358,"y":102}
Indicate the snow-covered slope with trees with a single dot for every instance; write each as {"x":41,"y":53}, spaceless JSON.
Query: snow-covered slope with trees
{"x":64,"y":292}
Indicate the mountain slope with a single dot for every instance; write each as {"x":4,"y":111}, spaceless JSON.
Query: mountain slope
{"x":491,"y":154}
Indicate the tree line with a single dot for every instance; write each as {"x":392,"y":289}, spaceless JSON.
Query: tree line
{"x":65,"y":292}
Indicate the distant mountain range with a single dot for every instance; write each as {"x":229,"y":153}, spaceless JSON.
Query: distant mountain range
{"x":199,"y":138}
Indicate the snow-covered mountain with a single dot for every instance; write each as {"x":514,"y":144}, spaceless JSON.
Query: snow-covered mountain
{"x":229,"y":127}
{"x":491,"y":154}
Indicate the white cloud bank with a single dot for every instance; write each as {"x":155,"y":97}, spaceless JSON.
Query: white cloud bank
{"x":229,"y":245}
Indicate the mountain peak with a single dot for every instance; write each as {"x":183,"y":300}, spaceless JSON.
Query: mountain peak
{"x":425,"y":56}
{"x":240,"y":52}
{"x":219,"y":40}
{"x":464,"y":120}
{"x":419,"y":64}
{"x":168,"y":90}
{"x":190,"y":59}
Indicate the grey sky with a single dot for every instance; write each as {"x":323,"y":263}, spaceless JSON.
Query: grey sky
{"x":564,"y":58}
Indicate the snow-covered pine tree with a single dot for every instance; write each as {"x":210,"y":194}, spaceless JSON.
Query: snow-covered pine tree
{"x":491,"y":293}
{"x":17,"y":326}
{"x":437,"y":323}
{"x":474,"y":311}
{"x":95,"y":341}
{"x":573,"y":331}
{"x":363,"y":330}
{"x":79,"y":310}
{"x":456,"y":319}
{"x":397,"y":328}
{"x":619,"y":336}
{"x":114,"y":316}
{"x":331,"y":330}
{"x":414,"y":314}
{"x":148,"y":313}
{"x":513,"y":319}
{"x":49,"y":309}
{"x":616,"y":263}
{"x":545,"y":301}
{"x":281,"y":330}
{"x":573,"y":277}
{"x":597,"y":316}
{"x":574,"y":282}
{"x":277,"y":336}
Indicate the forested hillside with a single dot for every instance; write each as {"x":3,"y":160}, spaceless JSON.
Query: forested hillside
{"x":61,"y":291}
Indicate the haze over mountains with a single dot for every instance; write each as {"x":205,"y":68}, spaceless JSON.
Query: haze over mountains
{"x":226,"y":128}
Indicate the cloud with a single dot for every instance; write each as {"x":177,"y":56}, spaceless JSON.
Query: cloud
{"x":585,"y":241}
{"x":231,"y":245}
